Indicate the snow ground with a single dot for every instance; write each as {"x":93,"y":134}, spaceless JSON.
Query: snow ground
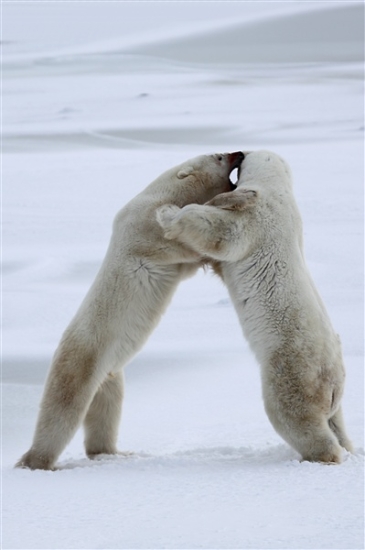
{"x":95,"y":104}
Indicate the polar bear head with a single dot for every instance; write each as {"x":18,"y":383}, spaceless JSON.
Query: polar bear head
{"x":268,"y":177}
{"x":264,"y":177}
{"x":198,"y":180}
{"x":264,"y":195}
{"x":267,"y":170}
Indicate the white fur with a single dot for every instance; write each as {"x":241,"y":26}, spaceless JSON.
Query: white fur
{"x":254,"y":238}
{"x":131,"y":291}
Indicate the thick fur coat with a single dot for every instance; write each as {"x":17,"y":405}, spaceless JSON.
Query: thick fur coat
{"x":253,"y":236}
{"x":132,"y":290}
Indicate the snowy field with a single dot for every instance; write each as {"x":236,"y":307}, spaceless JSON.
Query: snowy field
{"x":98,"y":99}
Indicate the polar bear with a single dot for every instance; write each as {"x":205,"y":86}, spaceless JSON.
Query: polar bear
{"x":136,"y":281}
{"x":254,"y":238}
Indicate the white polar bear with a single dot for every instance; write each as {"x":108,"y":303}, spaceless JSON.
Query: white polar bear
{"x":136,"y":281}
{"x":254,"y":236}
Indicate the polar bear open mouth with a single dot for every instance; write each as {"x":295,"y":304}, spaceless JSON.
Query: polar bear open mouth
{"x":237,"y":159}
{"x":233,"y":178}
{"x":237,"y":169}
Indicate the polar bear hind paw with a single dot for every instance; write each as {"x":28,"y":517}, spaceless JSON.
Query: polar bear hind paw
{"x":34,"y":461}
{"x":331,"y":455}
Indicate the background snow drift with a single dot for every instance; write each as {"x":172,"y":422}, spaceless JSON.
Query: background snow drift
{"x":99,"y":98}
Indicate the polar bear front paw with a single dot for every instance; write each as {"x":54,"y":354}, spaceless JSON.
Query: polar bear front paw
{"x":167,"y":217}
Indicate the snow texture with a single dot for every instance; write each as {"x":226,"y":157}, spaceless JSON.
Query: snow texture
{"x":99,"y":98}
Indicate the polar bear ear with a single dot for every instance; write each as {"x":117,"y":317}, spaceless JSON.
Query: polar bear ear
{"x":185,"y":172}
{"x":237,"y":200}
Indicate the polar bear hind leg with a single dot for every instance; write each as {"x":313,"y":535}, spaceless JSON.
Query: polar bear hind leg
{"x":72,"y":383}
{"x":102,"y":420}
{"x":337,"y":426}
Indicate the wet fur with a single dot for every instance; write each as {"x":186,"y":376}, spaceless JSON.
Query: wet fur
{"x":253,"y":238}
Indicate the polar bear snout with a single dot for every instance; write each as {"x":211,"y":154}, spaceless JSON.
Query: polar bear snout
{"x":235,"y":159}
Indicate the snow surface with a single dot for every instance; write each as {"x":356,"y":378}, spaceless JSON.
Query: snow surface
{"x":99,"y":98}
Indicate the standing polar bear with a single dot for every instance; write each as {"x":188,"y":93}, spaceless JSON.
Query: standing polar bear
{"x":136,"y":281}
{"x":254,"y":235}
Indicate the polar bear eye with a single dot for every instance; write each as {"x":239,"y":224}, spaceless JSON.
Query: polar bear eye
{"x":219,"y":157}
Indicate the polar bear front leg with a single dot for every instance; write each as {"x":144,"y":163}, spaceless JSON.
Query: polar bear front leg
{"x":190,"y":225}
{"x":213,"y":232}
{"x":169,"y":218}
{"x":239,"y":200}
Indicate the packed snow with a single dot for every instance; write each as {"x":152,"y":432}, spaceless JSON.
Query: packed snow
{"x":99,"y":98}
